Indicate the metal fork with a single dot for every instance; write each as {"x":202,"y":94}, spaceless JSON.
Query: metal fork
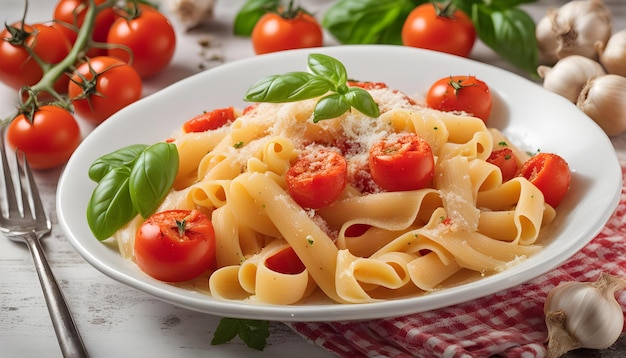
{"x":26,"y":221}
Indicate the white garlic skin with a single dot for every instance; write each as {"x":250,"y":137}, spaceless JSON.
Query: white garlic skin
{"x":573,"y":29}
{"x":613,"y":54}
{"x":192,"y":13}
{"x":569,"y":75}
{"x":603,"y":99}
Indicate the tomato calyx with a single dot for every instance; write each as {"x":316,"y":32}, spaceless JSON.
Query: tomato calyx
{"x":291,"y":11}
{"x":19,"y":35}
{"x":446,"y":10}
{"x":458,"y":85}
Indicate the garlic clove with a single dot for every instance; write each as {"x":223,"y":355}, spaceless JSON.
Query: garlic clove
{"x":603,"y":100}
{"x":613,"y":54}
{"x":569,"y":75}
{"x":192,"y":13}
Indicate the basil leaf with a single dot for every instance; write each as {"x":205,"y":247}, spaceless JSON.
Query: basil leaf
{"x":152,"y":177}
{"x":289,"y":87}
{"x":253,"y":332}
{"x":510,"y":33}
{"x":250,"y":13}
{"x":121,"y":157}
{"x":331,"y":106}
{"x":329,"y":67}
{"x":109,"y":206}
{"x":362,"y":100}
{"x":368,"y":21}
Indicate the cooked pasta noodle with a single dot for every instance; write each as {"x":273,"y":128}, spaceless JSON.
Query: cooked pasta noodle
{"x":411,"y":242}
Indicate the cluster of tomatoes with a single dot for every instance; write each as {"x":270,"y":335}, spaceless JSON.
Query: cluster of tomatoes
{"x":89,"y":60}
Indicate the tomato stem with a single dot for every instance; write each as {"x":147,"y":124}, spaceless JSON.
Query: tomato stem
{"x":447,"y":10}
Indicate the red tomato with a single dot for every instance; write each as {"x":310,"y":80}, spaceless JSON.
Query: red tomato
{"x":285,"y":31}
{"x":70,"y":15}
{"x":368,"y":85}
{"x":17,"y":66}
{"x":175,"y":245}
{"x":49,"y":140}
{"x":439,"y":28}
{"x":109,"y":85}
{"x":550,"y":174}
{"x":505,"y":160}
{"x":403,"y":161}
{"x":285,"y":261}
{"x":151,"y":38}
{"x":317,"y":178}
{"x":210,"y":120}
{"x":461,"y":93}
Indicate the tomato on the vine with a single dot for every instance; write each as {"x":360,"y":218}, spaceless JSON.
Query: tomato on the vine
{"x":70,"y":15}
{"x":49,"y":140}
{"x":461,"y":93}
{"x":286,"y":30}
{"x":550,"y":174}
{"x":175,"y":245}
{"x":149,"y":36}
{"x":102,"y":86}
{"x":435,"y":27}
{"x":17,"y":67}
{"x":402,"y":161}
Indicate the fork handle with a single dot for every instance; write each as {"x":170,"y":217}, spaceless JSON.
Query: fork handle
{"x":64,"y":326}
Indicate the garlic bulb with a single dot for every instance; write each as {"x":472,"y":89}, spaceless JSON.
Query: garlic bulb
{"x":573,"y":29}
{"x":569,"y":75}
{"x":603,"y":99}
{"x":584,"y":315}
{"x":613,"y":54}
{"x":192,"y":13}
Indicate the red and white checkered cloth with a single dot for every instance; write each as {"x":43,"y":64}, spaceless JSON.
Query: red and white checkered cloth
{"x":509,"y":323}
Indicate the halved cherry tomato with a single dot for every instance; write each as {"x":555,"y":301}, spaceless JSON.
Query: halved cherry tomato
{"x":210,"y":120}
{"x":150,"y":37}
{"x":285,"y":261}
{"x":286,"y":31}
{"x":103,"y":86}
{"x":402,"y":161}
{"x":175,"y":245}
{"x":317,"y":178}
{"x":49,"y":140}
{"x":550,"y":174}
{"x":461,"y":93}
{"x":435,"y":27}
{"x":505,"y":160}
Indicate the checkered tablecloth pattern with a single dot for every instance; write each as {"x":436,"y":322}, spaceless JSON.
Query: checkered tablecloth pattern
{"x":509,"y":323}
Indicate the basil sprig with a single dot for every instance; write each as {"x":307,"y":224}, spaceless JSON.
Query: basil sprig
{"x":327,"y":78}
{"x":131,"y":180}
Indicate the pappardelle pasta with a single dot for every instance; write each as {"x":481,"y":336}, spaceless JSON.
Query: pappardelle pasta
{"x":368,"y":244}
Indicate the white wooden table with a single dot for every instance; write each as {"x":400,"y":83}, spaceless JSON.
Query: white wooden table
{"x":116,"y":320}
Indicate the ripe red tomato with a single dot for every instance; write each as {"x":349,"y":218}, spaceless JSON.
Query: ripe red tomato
{"x":149,"y":35}
{"x":278,"y":32}
{"x":402,"y":161}
{"x":70,"y":15}
{"x":550,"y":174}
{"x":175,"y":245}
{"x":110,"y":85}
{"x":505,"y":160}
{"x":49,"y":140}
{"x":210,"y":120}
{"x":434,"y":27}
{"x":461,"y":93}
{"x":17,"y":66}
{"x":317,"y":178}
{"x":285,"y":261}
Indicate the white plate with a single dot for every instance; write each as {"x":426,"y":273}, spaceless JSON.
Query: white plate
{"x":529,"y":114}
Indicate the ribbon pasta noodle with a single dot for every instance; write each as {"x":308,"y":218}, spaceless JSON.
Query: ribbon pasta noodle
{"x":469,"y":222}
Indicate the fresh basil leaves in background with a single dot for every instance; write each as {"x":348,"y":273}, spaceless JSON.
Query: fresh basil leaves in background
{"x":500,"y":24}
{"x":132,"y":180}
{"x":253,"y":332}
{"x":327,"y":75}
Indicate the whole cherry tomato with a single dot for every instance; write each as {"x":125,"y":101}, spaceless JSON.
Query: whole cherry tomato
{"x":149,"y":36}
{"x":17,"y":67}
{"x":175,"y":245}
{"x":435,"y":27}
{"x":461,"y":93}
{"x":402,"y":161}
{"x":550,"y":174}
{"x":317,"y":178}
{"x":49,"y":140}
{"x":102,"y":86}
{"x":504,"y":159}
{"x":286,"y":30}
